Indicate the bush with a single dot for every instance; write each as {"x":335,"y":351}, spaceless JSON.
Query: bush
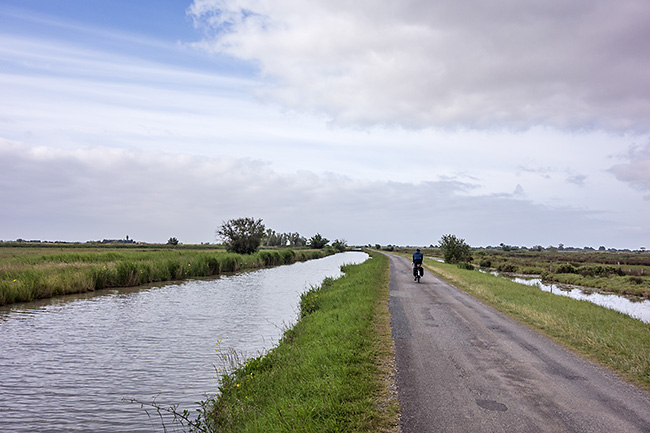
{"x":455,"y":250}
{"x":317,"y":241}
{"x":507,"y":267}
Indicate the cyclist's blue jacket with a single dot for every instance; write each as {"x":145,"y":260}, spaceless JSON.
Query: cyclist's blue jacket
{"x":418,"y":257}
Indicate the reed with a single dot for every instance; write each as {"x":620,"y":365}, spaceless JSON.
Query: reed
{"x":27,"y":274}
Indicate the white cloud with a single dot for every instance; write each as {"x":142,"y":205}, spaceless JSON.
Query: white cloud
{"x":568,"y":65}
{"x":99,"y":193}
{"x":636,"y":170}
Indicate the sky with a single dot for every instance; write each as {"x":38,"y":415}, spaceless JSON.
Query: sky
{"x":390,"y":122}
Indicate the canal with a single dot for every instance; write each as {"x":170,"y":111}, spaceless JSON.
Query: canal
{"x":68,"y":364}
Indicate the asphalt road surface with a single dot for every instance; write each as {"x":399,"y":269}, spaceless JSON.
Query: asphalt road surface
{"x":463,"y":367}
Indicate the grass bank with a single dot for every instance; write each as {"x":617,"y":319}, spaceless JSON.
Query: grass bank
{"x":27,"y":274}
{"x":331,"y":372}
{"x":610,"y":338}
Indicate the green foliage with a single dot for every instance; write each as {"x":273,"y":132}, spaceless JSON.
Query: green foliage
{"x":172,"y":241}
{"x":273,"y":239}
{"x":317,"y":241}
{"x":339,"y":245}
{"x":485,"y":263}
{"x":455,"y":250}
{"x":325,"y":375}
{"x":465,"y":265}
{"x":242,"y":235}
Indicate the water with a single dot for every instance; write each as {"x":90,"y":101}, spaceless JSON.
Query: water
{"x":67,"y":363}
{"x":639,"y":309}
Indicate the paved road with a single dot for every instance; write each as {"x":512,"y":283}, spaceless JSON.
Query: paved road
{"x":463,"y":367}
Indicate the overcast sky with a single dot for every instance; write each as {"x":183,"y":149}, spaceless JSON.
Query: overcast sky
{"x":390,"y":122}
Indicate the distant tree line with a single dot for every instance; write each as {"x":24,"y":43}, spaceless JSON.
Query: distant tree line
{"x":246,"y":235}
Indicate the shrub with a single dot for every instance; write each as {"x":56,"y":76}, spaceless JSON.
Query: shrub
{"x":454,"y":250}
{"x":507,"y":267}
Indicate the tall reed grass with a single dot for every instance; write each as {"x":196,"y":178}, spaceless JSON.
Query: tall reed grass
{"x":26,"y":277}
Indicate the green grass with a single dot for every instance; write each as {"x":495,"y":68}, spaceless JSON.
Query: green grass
{"x":331,"y":372}
{"x":33,"y":273}
{"x":605,"y":336}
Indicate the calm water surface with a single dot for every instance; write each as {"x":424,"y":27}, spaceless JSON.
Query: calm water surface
{"x":67,"y":363}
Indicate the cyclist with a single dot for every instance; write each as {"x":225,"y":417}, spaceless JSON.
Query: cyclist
{"x":417,"y":263}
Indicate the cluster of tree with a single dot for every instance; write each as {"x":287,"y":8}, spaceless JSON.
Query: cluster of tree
{"x":245,"y":235}
{"x":273,"y":239}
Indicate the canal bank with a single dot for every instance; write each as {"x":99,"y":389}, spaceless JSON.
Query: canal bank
{"x":66,"y":365}
{"x":333,"y":371}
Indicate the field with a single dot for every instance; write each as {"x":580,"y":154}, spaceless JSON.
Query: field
{"x":621,"y":272}
{"x":36,"y":271}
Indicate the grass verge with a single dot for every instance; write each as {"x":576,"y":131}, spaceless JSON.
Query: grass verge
{"x":331,"y":372}
{"x":610,"y":338}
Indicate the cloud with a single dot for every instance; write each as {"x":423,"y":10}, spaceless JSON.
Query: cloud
{"x":468,"y":64}
{"x":95,"y":193}
{"x":577,"y":179}
{"x":636,"y":171}
{"x":519,"y":191}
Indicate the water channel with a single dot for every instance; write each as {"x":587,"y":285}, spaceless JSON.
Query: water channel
{"x":639,"y":309}
{"x":67,"y":363}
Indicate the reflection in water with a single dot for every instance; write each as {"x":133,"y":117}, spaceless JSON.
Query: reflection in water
{"x":65,"y":364}
{"x":637,"y":309}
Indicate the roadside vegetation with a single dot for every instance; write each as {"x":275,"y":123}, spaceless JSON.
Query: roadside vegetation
{"x":605,"y":336}
{"x":331,"y":372}
{"x":36,"y":271}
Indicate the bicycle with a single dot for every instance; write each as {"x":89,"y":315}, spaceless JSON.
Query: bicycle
{"x":418,"y":271}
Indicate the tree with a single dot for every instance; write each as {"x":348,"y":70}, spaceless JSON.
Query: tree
{"x":454,"y":250}
{"x":242,"y":235}
{"x":317,"y":241}
{"x":340,"y":245}
{"x":171,"y":241}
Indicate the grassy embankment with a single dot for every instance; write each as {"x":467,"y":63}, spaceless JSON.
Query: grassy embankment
{"x":331,"y":372}
{"x":29,"y":273}
{"x":612,"y":339}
